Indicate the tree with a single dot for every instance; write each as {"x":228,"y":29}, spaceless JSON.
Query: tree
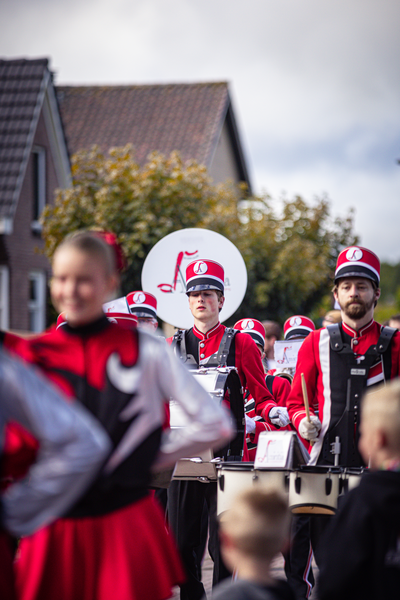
{"x":139,"y":205}
{"x":290,"y":256}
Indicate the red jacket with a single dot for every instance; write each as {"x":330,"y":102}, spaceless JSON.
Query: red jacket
{"x":315,"y":361}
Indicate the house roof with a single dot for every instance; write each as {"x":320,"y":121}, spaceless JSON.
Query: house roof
{"x":25,"y":90}
{"x":184,"y":117}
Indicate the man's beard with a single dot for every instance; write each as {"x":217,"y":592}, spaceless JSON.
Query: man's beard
{"x":357,"y":309}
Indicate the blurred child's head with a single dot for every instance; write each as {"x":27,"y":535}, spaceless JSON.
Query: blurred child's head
{"x":84,"y":277}
{"x":380,"y":425}
{"x":255,"y":528}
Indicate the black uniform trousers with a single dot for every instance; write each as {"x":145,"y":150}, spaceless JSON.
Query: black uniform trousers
{"x":298,"y":558}
{"x":186,"y":501}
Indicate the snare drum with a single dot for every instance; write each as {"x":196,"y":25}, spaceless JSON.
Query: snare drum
{"x":236,"y":477}
{"x":351,"y":478}
{"x":222,"y":383}
{"x":314,"y":490}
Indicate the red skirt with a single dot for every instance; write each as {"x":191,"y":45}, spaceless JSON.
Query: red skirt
{"x":126,"y":555}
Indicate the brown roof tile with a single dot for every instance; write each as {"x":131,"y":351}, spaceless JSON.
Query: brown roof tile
{"x":184,"y":117}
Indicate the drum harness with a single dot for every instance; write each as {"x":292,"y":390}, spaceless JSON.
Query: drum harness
{"x":234,"y":451}
{"x":342,"y":439}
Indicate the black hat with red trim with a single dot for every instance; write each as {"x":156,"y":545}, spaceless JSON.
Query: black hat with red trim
{"x":298,"y":325}
{"x":357,"y":261}
{"x":142,"y":304}
{"x":204,"y":275}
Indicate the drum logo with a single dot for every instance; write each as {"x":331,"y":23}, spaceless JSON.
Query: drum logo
{"x":354,"y":254}
{"x":139,"y":298}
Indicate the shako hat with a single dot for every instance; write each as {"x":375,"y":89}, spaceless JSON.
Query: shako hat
{"x":357,"y":261}
{"x":254,"y":328}
{"x":204,"y":274}
{"x":142,"y":304}
{"x":297,"y":325}
{"x":126,"y":320}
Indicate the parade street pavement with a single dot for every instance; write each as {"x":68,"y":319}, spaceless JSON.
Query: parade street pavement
{"x":277,"y":571}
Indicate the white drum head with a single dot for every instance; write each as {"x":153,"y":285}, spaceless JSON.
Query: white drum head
{"x":164,"y":271}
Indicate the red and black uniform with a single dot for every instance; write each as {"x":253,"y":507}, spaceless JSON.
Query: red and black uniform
{"x":188,"y":499}
{"x":113,"y":541}
{"x":280,"y":391}
{"x":243,"y":355}
{"x":339,"y":363}
{"x":335,"y":367}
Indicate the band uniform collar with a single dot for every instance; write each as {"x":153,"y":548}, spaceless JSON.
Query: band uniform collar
{"x":356,"y":334}
{"x":210,"y":333}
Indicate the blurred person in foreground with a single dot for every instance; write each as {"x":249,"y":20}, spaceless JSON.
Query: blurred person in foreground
{"x":113,"y":541}
{"x":72,"y":448}
{"x":252,"y":533}
{"x":361,"y":549}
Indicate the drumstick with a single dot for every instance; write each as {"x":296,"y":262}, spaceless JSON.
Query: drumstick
{"x":306,"y":405}
{"x":305,"y":397}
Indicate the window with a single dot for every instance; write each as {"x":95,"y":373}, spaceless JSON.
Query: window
{"x":4,"y":297}
{"x":39,"y":184}
{"x":37,"y":301}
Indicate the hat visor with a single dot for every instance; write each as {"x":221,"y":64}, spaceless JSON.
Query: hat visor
{"x":144,"y":313}
{"x":202,"y":287}
{"x":364,"y":273}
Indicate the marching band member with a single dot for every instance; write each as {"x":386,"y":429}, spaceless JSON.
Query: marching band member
{"x":203,"y":345}
{"x":144,"y":306}
{"x":278,"y":386}
{"x":72,"y":448}
{"x":340,"y":361}
{"x":113,"y":539}
{"x":298,"y":559}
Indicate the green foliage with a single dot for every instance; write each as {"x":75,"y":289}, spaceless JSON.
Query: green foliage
{"x":290,"y":255}
{"x":140,"y":205}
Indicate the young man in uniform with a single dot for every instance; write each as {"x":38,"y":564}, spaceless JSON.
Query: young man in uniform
{"x":204,"y":345}
{"x":339,"y":362}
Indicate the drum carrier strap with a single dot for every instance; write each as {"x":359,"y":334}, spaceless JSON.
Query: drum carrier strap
{"x":234,"y":450}
{"x":347,"y":427}
{"x":179,"y":347}
{"x":219,"y":359}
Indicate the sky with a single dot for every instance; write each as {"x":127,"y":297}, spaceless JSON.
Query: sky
{"x":315,"y":84}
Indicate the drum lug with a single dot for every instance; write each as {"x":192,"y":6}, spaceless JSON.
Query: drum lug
{"x":221,"y":482}
{"x":286,"y":481}
{"x":328,"y":485}
{"x":297,"y":484}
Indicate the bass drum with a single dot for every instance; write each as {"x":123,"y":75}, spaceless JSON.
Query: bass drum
{"x":224,"y":385}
